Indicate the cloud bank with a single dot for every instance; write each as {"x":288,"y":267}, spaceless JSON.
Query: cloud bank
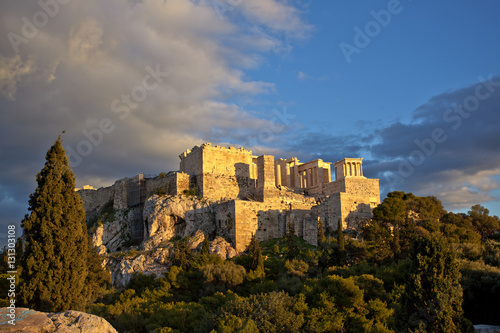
{"x":133,"y":83}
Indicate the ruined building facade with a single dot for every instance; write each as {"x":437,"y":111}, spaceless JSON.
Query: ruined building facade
{"x":253,"y":194}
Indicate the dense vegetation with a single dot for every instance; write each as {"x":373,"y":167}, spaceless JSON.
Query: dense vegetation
{"x":413,"y":268}
{"x":417,"y":269}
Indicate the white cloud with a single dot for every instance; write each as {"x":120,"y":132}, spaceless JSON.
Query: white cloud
{"x":12,"y":71}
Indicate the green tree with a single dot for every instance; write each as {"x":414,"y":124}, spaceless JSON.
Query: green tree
{"x":341,"y":244}
{"x":340,"y":236}
{"x":293,"y":249}
{"x":205,"y":246}
{"x":256,"y":254}
{"x":396,"y":245}
{"x":60,"y":270}
{"x":392,"y":209}
{"x":321,"y":233}
{"x":432,"y":300}
{"x":485,"y":224}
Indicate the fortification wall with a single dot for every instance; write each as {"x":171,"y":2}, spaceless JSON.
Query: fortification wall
{"x":221,"y":173}
{"x":225,"y":220}
{"x":173,"y":183}
{"x":334,"y":187}
{"x":93,"y":200}
{"x":266,"y":181}
{"x":228,"y":161}
{"x":192,"y":161}
{"x":120,"y":198}
{"x":363,"y":186}
{"x":356,"y":209}
{"x":352,"y":210}
{"x":268,"y":220}
{"x":355,"y":186}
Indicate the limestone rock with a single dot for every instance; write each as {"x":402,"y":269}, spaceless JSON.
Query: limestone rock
{"x":27,"y":320}
{"x":222,"y":248}
{"x":112,"y":235}
{"x":196,"y":240}
{"x":76,"y":321}
{"x":122,"y":268}
{"x":166,"y":217}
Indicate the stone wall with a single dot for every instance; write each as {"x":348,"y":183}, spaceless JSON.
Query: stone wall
{"x":192,"y":161}
{"x":220,"y":172}
{"x":174,"y":183}
{"x":352,"y":210}
{"x":266,"y":183}
{"x":93,"y":200}
{"x":227,"y":161}
{"x":268,"y":220}
{"x":355,"y":186}
{"x":120,"y":199}
{"x":225,"y":220}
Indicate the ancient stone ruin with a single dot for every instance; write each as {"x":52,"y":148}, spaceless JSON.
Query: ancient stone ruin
{"x":230,"y":194}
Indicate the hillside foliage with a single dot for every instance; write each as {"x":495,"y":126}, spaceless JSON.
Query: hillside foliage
{"x":418,"y":269}
{"x":414,"y":267}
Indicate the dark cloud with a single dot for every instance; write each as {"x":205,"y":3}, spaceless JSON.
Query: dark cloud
{"x":450,"y":148}
{"x":133,"y":83}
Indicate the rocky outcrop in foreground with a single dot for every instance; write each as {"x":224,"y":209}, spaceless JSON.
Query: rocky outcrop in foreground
{"x":158,"y":260}
{"x":28,"y":321}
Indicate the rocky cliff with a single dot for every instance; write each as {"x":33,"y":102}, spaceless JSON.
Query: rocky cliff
{"x":162,"y":218}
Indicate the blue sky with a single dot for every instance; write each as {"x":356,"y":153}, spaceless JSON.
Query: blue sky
{"x":268,"y":75}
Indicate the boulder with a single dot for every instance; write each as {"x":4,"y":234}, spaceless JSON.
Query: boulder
{"x":222,"y":248}
{"x":196,"y":240}
{"x":27,"y":320}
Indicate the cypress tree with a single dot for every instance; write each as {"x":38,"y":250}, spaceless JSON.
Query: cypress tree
{"x":60,"y":270}
{"x":256,"y":254}
{"x":432,"y":301}
{"x":205,"y":247}
{"x":340,"y":236}
{"x":396,"y":246}
{"x":321,"y":233}
{"x":341,"y":244}
{"x":293,"y":249}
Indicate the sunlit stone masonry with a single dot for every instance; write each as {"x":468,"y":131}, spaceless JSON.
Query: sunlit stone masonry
{"x":243,"y":194}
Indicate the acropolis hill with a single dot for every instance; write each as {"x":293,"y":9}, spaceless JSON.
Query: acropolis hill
{"x":234,"y":194}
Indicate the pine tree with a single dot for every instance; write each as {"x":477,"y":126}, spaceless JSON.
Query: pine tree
{"x":60,"y":270}
{"x":432,"y":301}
